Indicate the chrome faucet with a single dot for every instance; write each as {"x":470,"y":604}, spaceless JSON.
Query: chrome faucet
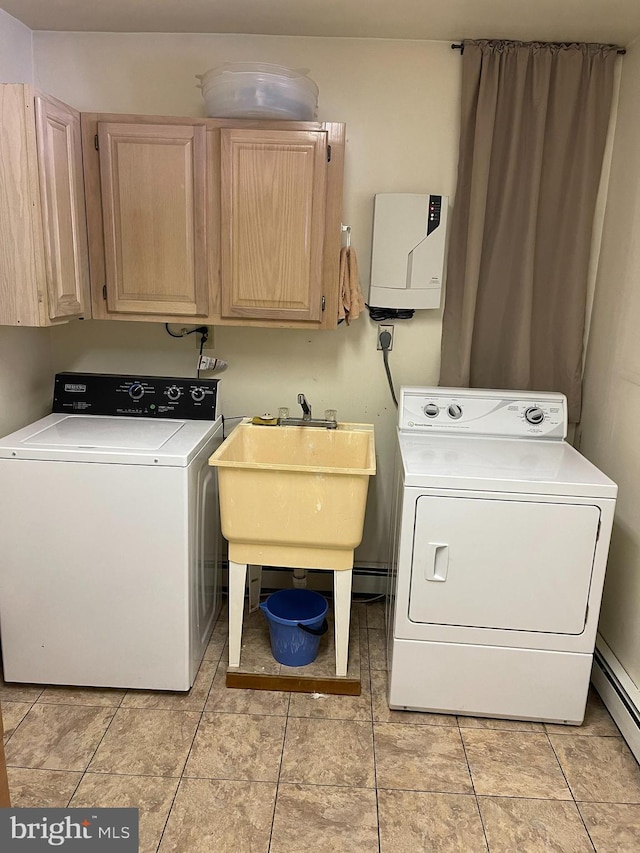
{"x":306,"y":408}
{"x":306,"y":419}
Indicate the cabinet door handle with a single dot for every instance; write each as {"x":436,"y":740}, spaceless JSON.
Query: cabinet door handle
{"x":437,"y":562}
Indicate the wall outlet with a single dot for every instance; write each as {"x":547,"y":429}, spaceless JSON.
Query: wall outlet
{"x":385,"y":327}
{"x":208,"y":343}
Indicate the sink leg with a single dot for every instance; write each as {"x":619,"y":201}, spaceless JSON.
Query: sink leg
{"x":237,"y":582}
{"x":255,"y":582}
{"x":342,"y":613}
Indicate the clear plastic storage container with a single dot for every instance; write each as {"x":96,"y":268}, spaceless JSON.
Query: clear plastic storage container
{"x":258,"y":90}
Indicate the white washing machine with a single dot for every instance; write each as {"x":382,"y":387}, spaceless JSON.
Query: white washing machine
{"x":502,"y":532}
{"x":109,"y":534}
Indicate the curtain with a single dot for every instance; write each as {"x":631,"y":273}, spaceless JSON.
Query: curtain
{"x":532,"y":139}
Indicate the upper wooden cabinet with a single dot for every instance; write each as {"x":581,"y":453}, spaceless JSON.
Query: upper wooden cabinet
{"x":153,"y":182}
{"x":272,"y":223}
{"x":223,"y":221}
{"x":44,"y":272}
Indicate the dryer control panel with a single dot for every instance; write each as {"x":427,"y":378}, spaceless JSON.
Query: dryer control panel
{"x":476,"y":411}
{"x":136,"y":396}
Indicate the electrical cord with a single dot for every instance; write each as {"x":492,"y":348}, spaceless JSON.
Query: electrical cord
{"x":203,"y":331}
{"x":225,"y":419}
{"x":379,"y":315}
{"x":385,"y":343}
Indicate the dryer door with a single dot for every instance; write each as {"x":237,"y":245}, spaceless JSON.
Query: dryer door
{"x":508,"y":564}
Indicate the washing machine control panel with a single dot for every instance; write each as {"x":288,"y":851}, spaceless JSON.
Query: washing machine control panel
{"x":510,"y":414}
{"x":136,"y":396}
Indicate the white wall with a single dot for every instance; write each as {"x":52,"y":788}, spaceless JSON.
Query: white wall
{"x":400,"y":102}
{"x":611,"y":414}
{"x":25,"y":354}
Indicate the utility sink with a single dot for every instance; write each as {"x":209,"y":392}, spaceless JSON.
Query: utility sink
{"x":294,"y":496}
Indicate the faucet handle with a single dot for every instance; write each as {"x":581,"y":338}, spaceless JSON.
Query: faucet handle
{"x":330,"y":414}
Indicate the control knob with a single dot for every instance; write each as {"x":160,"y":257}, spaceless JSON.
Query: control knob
{"x":454,"y":411}
{"x":173,"y":393}
{"x":197,"y":395}
{"x":136,"y":391}
{"x":534,"y":415}
{"x":431,"y":410}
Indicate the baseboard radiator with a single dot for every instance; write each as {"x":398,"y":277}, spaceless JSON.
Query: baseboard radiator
{"x":619,"y":693}
{"x":368,"y":579}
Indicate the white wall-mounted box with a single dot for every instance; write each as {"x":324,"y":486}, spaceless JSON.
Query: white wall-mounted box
{"x":407,"y":260}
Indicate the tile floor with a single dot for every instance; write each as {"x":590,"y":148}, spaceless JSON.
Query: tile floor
{"x":229,"y":771}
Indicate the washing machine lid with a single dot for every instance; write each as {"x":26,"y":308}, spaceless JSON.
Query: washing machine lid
{"x":500,"y":464}
{"x":97,"y":438}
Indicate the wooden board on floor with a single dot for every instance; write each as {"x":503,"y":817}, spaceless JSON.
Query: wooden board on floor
{"x":294,"y":683}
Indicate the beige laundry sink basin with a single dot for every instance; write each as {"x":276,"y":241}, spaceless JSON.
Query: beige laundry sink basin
{"x":294,"y":496}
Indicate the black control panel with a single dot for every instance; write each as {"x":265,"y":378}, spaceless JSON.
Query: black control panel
{"x":135,"y":396}
{"x":435,"y":212}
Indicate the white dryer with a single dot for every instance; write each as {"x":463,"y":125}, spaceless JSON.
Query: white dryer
{"x":501,"y":536}
{"x":109,"y":534}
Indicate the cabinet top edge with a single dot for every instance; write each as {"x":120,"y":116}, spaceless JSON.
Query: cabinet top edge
{"x":212,"y":123}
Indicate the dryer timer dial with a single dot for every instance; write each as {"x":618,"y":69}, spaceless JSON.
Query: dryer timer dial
{"x":534,"y":415}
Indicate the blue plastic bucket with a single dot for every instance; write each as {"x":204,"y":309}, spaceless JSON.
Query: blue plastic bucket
{"x":297,"y":621}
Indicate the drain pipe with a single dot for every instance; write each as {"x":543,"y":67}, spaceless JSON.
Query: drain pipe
{"x":300,"y":578}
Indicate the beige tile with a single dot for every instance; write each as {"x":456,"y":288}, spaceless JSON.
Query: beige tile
{"x":237,"y":746}
{"x":58,"y":737}
{"x":215,"y":817}
{"x":152,"y":795}
{"x":514,"y":764}
{"x":255,"y":652}
{"x":17,"y":692}
{"x":215,"y":647}
{"x":363,"y":636}
{"x":382,"y":713}
{"x":488,"y":723}
{"x":328,"y":752}
{"x":192,"y":700}
{"x":329,"y":819}
{"x":101,"y":698}
{"x":359,"y":614}
{"x":613,"y":827}
{"x":377,"y":648}
{"x":250,"y":621}
{"x":420,"y":758}
{"x":327,"y":706}
{"x":146,"y":743}
{"x":600,"y":769}
{"x":597,"y":721}
{"x":36,"y":789}
{"x":13,"y":713}
{"x":238,"y":700}
{"x":415,"y":821}
{"x":533,"y":826}
{"x":375,"y":615}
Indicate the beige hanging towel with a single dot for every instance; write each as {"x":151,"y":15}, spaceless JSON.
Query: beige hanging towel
{"x":351,"y":299}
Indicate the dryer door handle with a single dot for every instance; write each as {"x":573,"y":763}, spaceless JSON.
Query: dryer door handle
{"x":437,"y":562}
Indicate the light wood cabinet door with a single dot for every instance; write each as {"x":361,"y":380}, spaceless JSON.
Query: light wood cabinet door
{"x":272,"y":209}
{"x":153,"y":182}
{"x":44,"y":268}
{"x":63,"y":215}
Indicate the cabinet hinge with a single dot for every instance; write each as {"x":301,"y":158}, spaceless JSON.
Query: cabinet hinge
{"x":323,"y":302}
{"x":328,"y":153}
{"x":104,"y":291}
{"x":96,"y":143}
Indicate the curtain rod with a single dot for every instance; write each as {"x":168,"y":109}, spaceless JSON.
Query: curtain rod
{"x":460,"y":47}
